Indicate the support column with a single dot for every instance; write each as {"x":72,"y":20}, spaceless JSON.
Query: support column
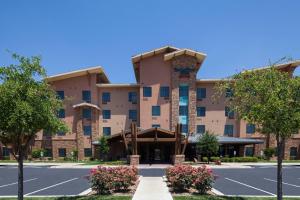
{"x":178,"y":157}
{"x":134,"y":158}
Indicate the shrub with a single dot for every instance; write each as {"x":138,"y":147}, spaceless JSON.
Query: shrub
{"x":105,"y":180}
{"x":239,"y":159}
{"x":269,"y":152}
{"x":214,"y":159}
{"x":184,"y":177}
{"x":204,"y":159}
{"x":204,"y":179}
{"x":36,"y":153}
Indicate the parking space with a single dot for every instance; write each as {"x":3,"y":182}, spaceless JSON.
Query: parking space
{"x":45,"y":181}
{"x":40,"y":181}
{"x":259,"y":181}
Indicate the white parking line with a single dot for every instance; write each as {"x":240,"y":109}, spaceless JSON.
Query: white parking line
{"x":85,"y":192}
{"x":250,"y":186}
{"x":51,"y":186}
{"x":298,"y":186}
{"x":1,"y":186}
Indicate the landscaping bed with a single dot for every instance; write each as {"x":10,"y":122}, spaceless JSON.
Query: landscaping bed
{"x":207,"y":197}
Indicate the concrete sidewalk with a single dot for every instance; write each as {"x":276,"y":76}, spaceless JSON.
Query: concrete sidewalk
{"x":152,"y":188}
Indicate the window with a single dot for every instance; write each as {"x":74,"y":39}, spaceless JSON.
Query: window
{"x":48,"y":153}
{"x":60,"y":95}
{"x":250,"y":128}
{"x":133,"y":115}
{"x":183,"y":110}
{"x":183,"y":91}
{"x":61,"y":113}
{"x":249,"y":151}
{"x":6,"y":151}
{"x":61,"y":133}
{"x":228,"y":131}
{"x":106,"y":131}
{"x":201,"y":111}
{"x":87,"y":130}
{"x":164,"y":91}
{"x":87,"y":152}
{"x":201,"y":93}
{"x":62,"y":152}
{"x":293,"y":153}
{"x":106,"y":114}
{"x":105,"y":97}
{"x":200,"y":129}
{"x":155,"y":110}
{"x":184,"y":128}
{"x":147,"y":91}
{"x":87,"y":113}
{"x":86,"y":96}
{"x":132,"y":97}
{"x":229,"y":113}
{"x":155,"y":125}
{"x":229,"y":93}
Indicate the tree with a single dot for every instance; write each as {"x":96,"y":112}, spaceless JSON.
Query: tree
{"x":208,"y":145}
{"x":27,"y":106}
{"x":270,"y":99}
{"x":103,"y":146}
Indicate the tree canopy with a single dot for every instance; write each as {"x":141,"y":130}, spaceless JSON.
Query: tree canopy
{"x":208,"y":145}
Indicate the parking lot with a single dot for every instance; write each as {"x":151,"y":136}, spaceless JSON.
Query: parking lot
{"x":47,"y":181}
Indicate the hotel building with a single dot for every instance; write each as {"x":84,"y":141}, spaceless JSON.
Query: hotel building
{"x":142,"y":118}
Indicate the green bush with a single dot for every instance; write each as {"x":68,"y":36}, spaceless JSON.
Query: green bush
{"x":214,"y":159}
{"x":240,"y":159}
{"x":36,"y":153}
{"x":269,"y":152}
{"x":204,"y":159}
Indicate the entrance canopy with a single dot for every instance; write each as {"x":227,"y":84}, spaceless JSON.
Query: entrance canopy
{"x":228,"y":140}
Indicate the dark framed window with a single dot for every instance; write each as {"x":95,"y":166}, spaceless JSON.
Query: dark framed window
{"x":183,"y":91}
{"x":228,"y":130}
{"x":60,"y":95}
{"x":201,"y":111}
{"x":184,"y":128}
{"x":105,"y":97}
{"x":147,"y":91}
{"x":164,"y":91}
{"x":155,"y":110}
{"x":61,"y":113}
{"x":87,"y":152}
{"x":6,"y":151}
{"x":249,"y":151}
{"x":62,"y":152}
{"x":201,"y":93}
{"x":293,"y":153}
{"x":155,"y":125}
{"x":87,"y":130}
{"x":61,"y":133}
{"x":183,"y":110}
{"x":229,"y":113}
{"x":106,"y":131}
{"x":133,"y":115}
{"x":87,"y":113}
{"x":106,"y":114}
{"x":132,"y":97}
{"x":48,"y":153}
{"x":229,"y":92}
{"x":200,"y":129}
{"x":86,"y":96}
{"x":250,"y":128}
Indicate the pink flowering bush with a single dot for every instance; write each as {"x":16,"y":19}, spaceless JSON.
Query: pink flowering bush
{"x":184,"y":177}
{"x":105,"y":180}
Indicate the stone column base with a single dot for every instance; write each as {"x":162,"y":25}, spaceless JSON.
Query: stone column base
{"x":134,"y":159}
{"x":178,"y":159}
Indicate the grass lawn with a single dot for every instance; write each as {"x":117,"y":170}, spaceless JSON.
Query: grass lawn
{"x":205,"y":197}
{"x":110,"y":197}
{"x":96,"y":162}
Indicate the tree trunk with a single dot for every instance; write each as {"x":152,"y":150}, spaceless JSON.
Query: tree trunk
{"x":20,"y":174}
{"x":280,"y":153}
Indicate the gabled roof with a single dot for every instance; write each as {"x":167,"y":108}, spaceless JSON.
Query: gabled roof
{"x":170,"y":52}
{"x":282,"y":66}
{"x":87,"y":105}
{"x":92,"y":70}
{"x":118,"y":85}
{"x":198,"y":55}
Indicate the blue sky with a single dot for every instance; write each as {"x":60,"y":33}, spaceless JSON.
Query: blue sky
{"x":71,"y":35}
